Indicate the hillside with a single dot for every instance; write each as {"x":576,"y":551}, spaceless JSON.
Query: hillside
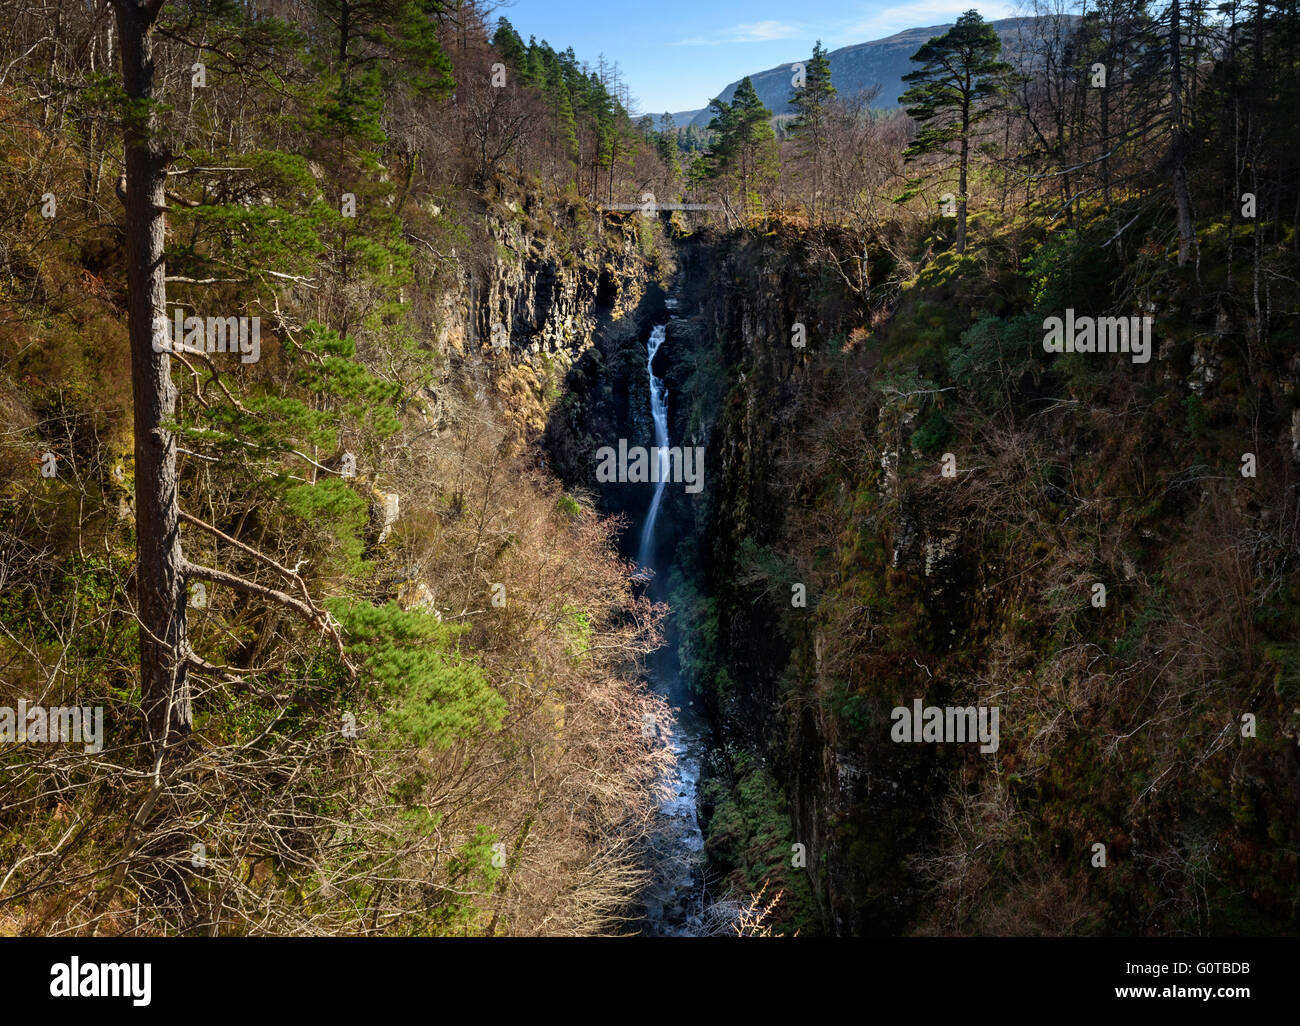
{"x":854,"y":69}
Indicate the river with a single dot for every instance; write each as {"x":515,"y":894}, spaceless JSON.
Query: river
{"x":674,"y":900}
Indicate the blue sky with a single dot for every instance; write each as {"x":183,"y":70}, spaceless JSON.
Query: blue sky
{"x":678,"y":54}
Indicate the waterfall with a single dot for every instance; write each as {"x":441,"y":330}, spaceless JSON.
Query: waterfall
{"x":673,"y":898}
{"x":659,"y":411}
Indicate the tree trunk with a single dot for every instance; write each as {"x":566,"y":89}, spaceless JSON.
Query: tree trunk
{"x":160,"y":584}
{"x":1105,"y":135}
{"x":1182,"y":194}
{"x":961,"y":176}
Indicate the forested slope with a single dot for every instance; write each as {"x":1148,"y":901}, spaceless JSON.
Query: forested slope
{"x":408,"y":697}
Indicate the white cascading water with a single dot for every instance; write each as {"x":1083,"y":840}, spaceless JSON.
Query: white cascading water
{"x":673,"y":900}
{"x":659,"y":411}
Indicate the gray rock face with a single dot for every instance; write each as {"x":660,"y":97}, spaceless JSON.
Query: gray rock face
{"x":535,"y":299}
{"x":388,"y":512}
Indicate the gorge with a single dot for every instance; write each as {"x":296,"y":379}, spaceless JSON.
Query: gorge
{"x":824,"y":471}
{"x":510,"y":557}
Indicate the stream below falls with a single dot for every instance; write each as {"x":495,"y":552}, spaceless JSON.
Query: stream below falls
{"x":674,"y":899}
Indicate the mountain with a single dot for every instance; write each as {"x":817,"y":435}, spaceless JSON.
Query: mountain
{"x":681,"y":118}
{"x":854,"y":68}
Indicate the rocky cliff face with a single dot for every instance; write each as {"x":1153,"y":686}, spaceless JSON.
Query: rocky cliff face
{"x":778,"y":781}
{"x":832,"y":571}
{"x":605,"y":393}
{"x":537,"y":297}
{"x":542,"y":290}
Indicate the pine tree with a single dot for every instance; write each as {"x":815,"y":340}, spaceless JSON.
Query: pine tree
{"x":665,"y":141}
{"x":160,"y":569}
{"x":745,"y":146}
{"x":534,"y":68}
{"x":598,"y":115}
{"x":561,"y":104}
{"x":948,"y":96}
{"x":510,"y":45}
{"x":812,"y":102}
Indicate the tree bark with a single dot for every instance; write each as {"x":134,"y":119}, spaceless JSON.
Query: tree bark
{"x":1182,"y":194}
{"x":160,"y":582}
{"x":964,"y":165}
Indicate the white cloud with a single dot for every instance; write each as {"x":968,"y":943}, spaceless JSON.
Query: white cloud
{"x":925,"y":12}
{"x":751,"y":32}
